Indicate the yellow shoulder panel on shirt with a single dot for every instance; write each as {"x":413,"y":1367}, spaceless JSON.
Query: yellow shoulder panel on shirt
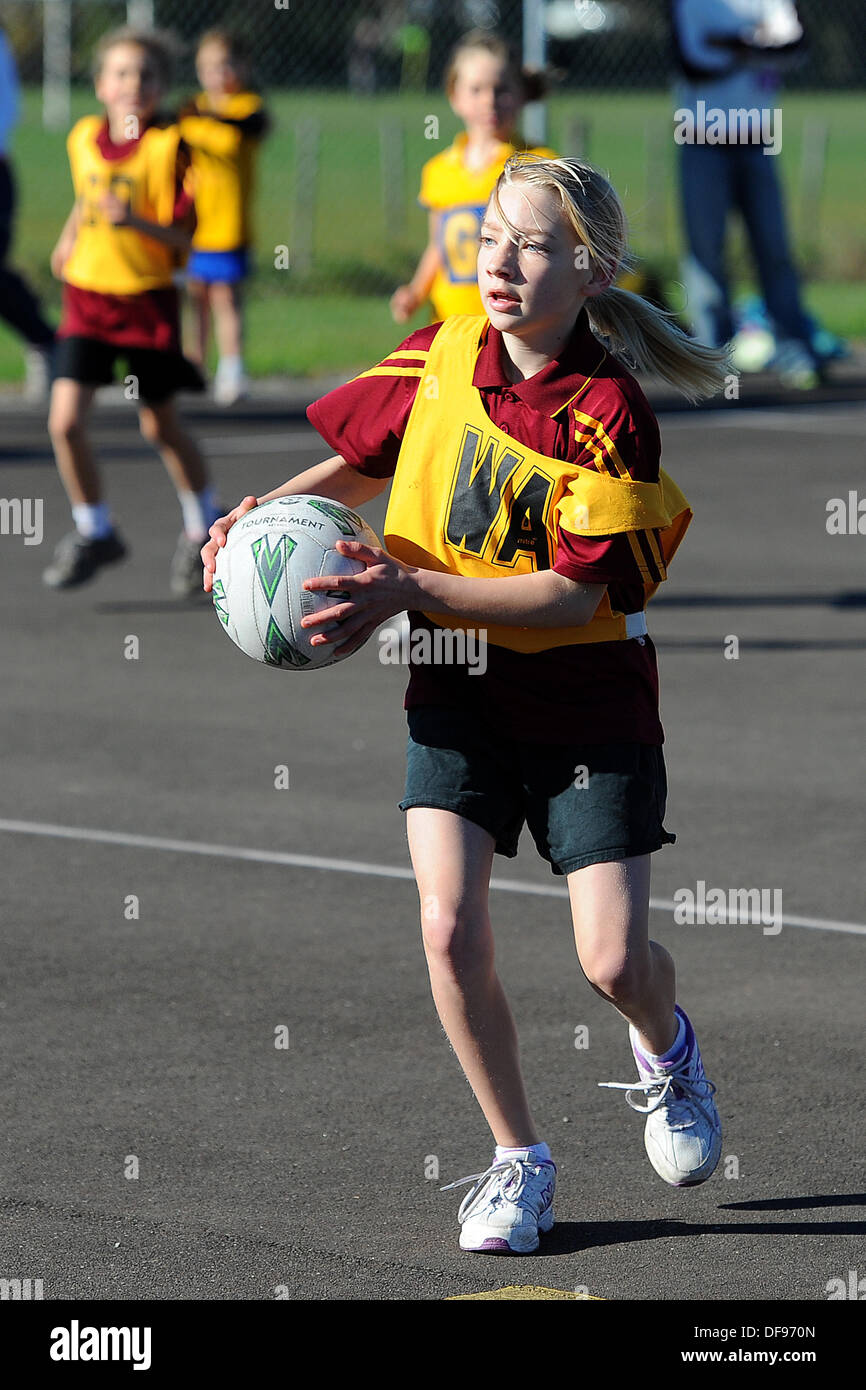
{"x":391,"y":371}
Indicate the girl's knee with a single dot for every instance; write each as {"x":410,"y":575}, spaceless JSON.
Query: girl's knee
{"x":615,"y":973}
{"x":66,"y":426}
{"x":158,"y":426}
{"x":149,"y":424}
{"x":456,"y":940}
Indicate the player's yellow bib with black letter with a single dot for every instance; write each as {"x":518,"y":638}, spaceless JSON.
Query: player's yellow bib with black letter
{"x":119,"y":260}
{"x":468,"y":499}
{"x":223,"y":166}
{"x":459,"y":196}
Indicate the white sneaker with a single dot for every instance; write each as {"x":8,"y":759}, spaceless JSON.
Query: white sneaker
{"x":231,"y":383}
{"x":683,"y":1132}
{"x":37,"y":384}
{"x":510,"y":1203}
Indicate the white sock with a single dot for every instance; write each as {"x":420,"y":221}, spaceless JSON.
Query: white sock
{"x":676,"y":1046}
{"x":200,"y":510}
{"x":232,"y":367}
{"x":538,"y":1153}
{"x":92,"y":520}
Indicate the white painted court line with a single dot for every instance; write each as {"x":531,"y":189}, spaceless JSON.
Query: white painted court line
{"x":802,"y":419}
{"x":340,"y":866}
{"x":283,"y":443}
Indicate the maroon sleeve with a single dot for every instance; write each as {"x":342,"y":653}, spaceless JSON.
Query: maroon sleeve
{"x":183,"y":198}
{"x":365,"y":420}
{"x":628,"y":440}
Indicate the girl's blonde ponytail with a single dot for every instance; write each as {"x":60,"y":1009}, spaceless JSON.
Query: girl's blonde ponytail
{"x":648,"y":339}
{"x":645,"y":336}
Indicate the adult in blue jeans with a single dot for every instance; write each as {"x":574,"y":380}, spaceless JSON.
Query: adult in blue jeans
{"x":730,"y":53}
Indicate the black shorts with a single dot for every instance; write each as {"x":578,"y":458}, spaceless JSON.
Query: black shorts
{"x":91,"y":361}
{"x":584,"y":803}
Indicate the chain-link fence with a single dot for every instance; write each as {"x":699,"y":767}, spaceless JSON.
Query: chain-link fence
{"x":400,"y":45}
{"x":351,"y":88}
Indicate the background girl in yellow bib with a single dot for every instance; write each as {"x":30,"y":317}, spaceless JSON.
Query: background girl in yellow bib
{"x":487,"y":90}
{"x":127,"y":233}
{"x":481,"y":760}
{"x":223,"y":127}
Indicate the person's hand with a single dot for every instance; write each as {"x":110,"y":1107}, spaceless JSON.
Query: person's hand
{"x":218,"y":533}
{"x":403,"y":304}
{"x":116,"y":210}
{"x":384,"y":588}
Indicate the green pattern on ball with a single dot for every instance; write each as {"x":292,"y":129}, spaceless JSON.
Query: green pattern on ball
{"x":343,"y":519}
{"x":279,"y":651}
{"x":219,"y":602}
{"x":271,"y":563}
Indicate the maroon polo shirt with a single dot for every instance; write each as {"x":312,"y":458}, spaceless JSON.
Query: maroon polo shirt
{"x":583,"y":407}
{"x":147,"y":320}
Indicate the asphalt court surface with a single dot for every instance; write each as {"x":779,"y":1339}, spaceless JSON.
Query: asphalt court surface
{"x":148,"y":1044}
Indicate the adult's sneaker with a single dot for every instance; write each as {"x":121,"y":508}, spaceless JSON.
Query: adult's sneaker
{"x":511,"y":1202}
{"x":77,"y":559}
{"x":795,"y":365}
{"x":683,"y":1132}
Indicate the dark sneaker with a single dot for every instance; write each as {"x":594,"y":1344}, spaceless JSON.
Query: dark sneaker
{"x":187,"y":570}
{"x":77,"y":559}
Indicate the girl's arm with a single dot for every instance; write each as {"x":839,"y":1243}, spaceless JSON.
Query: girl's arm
{"x":334,"y":478}
{"x":408,"y":298}
{"x":65,"y":242}
{"x":176,"y":234}
{"x":546,"y":599}
{"x":387,"y":586}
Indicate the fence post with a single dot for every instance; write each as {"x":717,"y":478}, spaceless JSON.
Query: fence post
{"x":577,"y":135}
{"x":393,"y":178}
{"x":813,"y":165}
{"x":56,"y":64}
{"x":655,"y":147}
{"x":307,"y":133}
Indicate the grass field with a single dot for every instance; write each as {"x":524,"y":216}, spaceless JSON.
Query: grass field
{"x":335,"y":316}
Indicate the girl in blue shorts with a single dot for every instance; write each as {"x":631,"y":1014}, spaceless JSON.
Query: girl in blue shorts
{"x":528,"y":510}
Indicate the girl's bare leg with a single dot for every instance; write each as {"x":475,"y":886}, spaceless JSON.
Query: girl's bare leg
{"x":610,"y":910}
{"x":452,"y":859}
{"x":198,"y":294}
{"x":178,"y":450}
{"x":67,"y":422}
{"x":228,"y":319}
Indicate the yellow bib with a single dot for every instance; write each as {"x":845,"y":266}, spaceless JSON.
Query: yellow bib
{"x":223,"y":168}
{"x":468,"y":499}
{"x":119,"y":260}
{"x":460,"y":196}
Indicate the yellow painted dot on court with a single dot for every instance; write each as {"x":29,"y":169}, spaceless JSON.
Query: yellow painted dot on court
{"x":532,"y":1291}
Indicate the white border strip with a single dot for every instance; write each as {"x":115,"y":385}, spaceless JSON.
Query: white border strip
{"x":340,"y":866}
{"x":286,"y":442}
